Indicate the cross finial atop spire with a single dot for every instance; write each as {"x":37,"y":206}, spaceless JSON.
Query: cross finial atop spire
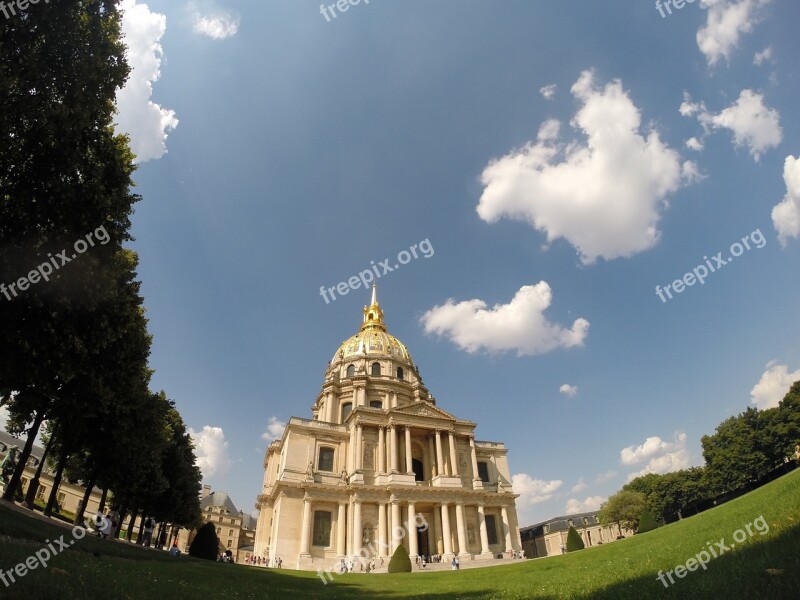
{"x":373,"y":315}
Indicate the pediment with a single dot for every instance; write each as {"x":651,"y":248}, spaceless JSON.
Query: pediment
{"x":423,"y":409}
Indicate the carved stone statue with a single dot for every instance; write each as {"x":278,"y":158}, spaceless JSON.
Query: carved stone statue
{"x":310,"y":471}
{"x":9,"y":464}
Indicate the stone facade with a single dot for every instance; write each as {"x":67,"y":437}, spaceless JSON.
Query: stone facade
{"x":548,"y":537}
{"x":380,"y":465}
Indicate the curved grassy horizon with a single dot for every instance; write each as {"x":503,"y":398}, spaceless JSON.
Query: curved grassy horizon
{"x":760,"y":566}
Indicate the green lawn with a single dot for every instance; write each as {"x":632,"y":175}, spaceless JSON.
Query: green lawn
{"x":760,"y":567}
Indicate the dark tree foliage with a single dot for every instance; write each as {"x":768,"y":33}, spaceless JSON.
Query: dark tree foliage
{"x":400,"y":562}
{"x":574,"y":541}
{"x":666,"y":495}
{"x":206,"y":543}
{"x":646,"y":522}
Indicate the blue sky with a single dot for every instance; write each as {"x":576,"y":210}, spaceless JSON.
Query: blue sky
{"x":562,"y":159}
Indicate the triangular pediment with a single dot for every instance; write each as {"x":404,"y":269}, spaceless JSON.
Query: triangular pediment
{"x":423,"y":409}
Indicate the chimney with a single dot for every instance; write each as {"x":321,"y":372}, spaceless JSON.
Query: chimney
{"x":206,"y":491}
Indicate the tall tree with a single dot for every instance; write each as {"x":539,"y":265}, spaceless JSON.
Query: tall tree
{"x":625,"y":507}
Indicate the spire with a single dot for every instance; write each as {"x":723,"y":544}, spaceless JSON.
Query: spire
{"x":373,"y":315}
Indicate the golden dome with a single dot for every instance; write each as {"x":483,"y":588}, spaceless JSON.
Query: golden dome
{"x":372,"y":338}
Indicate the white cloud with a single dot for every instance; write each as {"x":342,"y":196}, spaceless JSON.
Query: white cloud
{"x":786,"y":214}
{"x":215,"y":23}
{"x":752,"y":123}
{"x":274,"y":430}
{"x":532,"y":492}
{"x":548,"y":91}
{"x":603,"y":477}
{"x":603,"y":196}
{"x":694,"y":144}
{"x":519,"y":325}
{"x":763,"y":56}
{"x":568,"y":390}
{"x":579,"y":487}
{"x":211,"y":450}
{"x":138,"y":116}
{"x":773,"y":386}
{"x":591,"y":503}
{"x":726,"y":21}
{"x":661,"y":456}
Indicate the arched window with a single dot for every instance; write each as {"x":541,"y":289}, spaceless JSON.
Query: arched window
{"x":346,"y":408}
{"x":376,"y":368}
{"x":325,"y":461}
{"x":351,"y":370}
{"x":375,"y":404}
{"x":399,"y":372}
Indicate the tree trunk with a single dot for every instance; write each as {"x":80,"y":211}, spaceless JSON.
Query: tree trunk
{"x":103,"y":497}
{"x":140,"y":535}
{"x":13,"y":485}
{"x":86,"y":495}
{"x":129,"y":533}
{"x":62,"y":461}
{"x":33,"y":486}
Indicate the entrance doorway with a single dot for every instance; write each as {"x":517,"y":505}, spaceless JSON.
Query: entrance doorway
{"x":422,"y":541}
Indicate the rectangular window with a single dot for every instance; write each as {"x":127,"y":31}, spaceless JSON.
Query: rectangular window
{"x":230,"y":532}
{"x":322,"y":528}
{"x":61,"y":497}
{"x":40,"y":493}
{"x":483,"y":472}
{"x":491,"y":529}
{"x":325,"y":462}
{"x":23,"y":483}
{"x":229,"y":543}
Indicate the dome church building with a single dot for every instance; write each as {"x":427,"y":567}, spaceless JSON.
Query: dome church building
{"x":379,"y":465}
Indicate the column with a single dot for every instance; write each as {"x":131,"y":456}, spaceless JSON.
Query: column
{"x":484,"y":533}
{"x":396,"y":539}
{"x":341,"y":530}
{"x":437,"y":531}
{"x":413,"y":549}
{"x":351,"y":452}
{"x":359,"y":447}
{"x":432,"y":454}
{"x":409,"y":468}
{"x":506,"y":529}
{"x":439,"y":464}
{"x":474,"y":456}
{"x":393,"y":446}
{"x":306,"y":530}
{"x":382,"y":545}
{"x":357,"y":534}
{"x":453,"y":457}
{"x":446,"y":535}
{"x":394,"y":399}
{"x":362,"y":396}
{"x":461,"y":529}
{"x":381,"y":466}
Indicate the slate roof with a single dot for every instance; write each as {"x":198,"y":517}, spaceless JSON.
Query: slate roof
{"x":219,"y":499}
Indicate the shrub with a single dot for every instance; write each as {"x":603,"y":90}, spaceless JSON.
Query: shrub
{"x":646,"y":522}
{"x":574,"y":541}
{"x":205,"y":543}
{"x":400,"y":562}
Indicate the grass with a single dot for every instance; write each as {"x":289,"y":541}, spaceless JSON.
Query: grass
{"x":765,"y":566}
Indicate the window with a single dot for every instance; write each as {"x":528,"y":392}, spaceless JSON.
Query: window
{"x":23,"y":482}
{"x":219,"y":529}
{"x":570,"y":523}
{"x":585,"y":520}
{"x":346,"y":408}
{"x":220,"y":519}
{"x":491,"y":529}
{"x":325,"y":462}
{"x":399,"y":372}
{"x":61,"y":498}
{"x":322,"y":528}
{"x":351,"y":370}
{"x":483,"y":472}
{"x":376,"y":368}
{"x":40,"y":493}
{"x":229,"y":543}
{"x":419,"y":471}
{"x":375,"y":404}
{"x":230,"y":532}
{"x":546,"y":528}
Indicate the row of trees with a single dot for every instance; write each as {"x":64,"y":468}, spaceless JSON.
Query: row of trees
{"x":743,"y":449}
{"x":75,"y":345}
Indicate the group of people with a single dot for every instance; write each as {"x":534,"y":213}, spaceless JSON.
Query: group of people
{"x":364,"y":566}
{"x":431,"y":558}
{"x":107,"y":526}
{"x":516,"y":553}
{"x":263,"y":561}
